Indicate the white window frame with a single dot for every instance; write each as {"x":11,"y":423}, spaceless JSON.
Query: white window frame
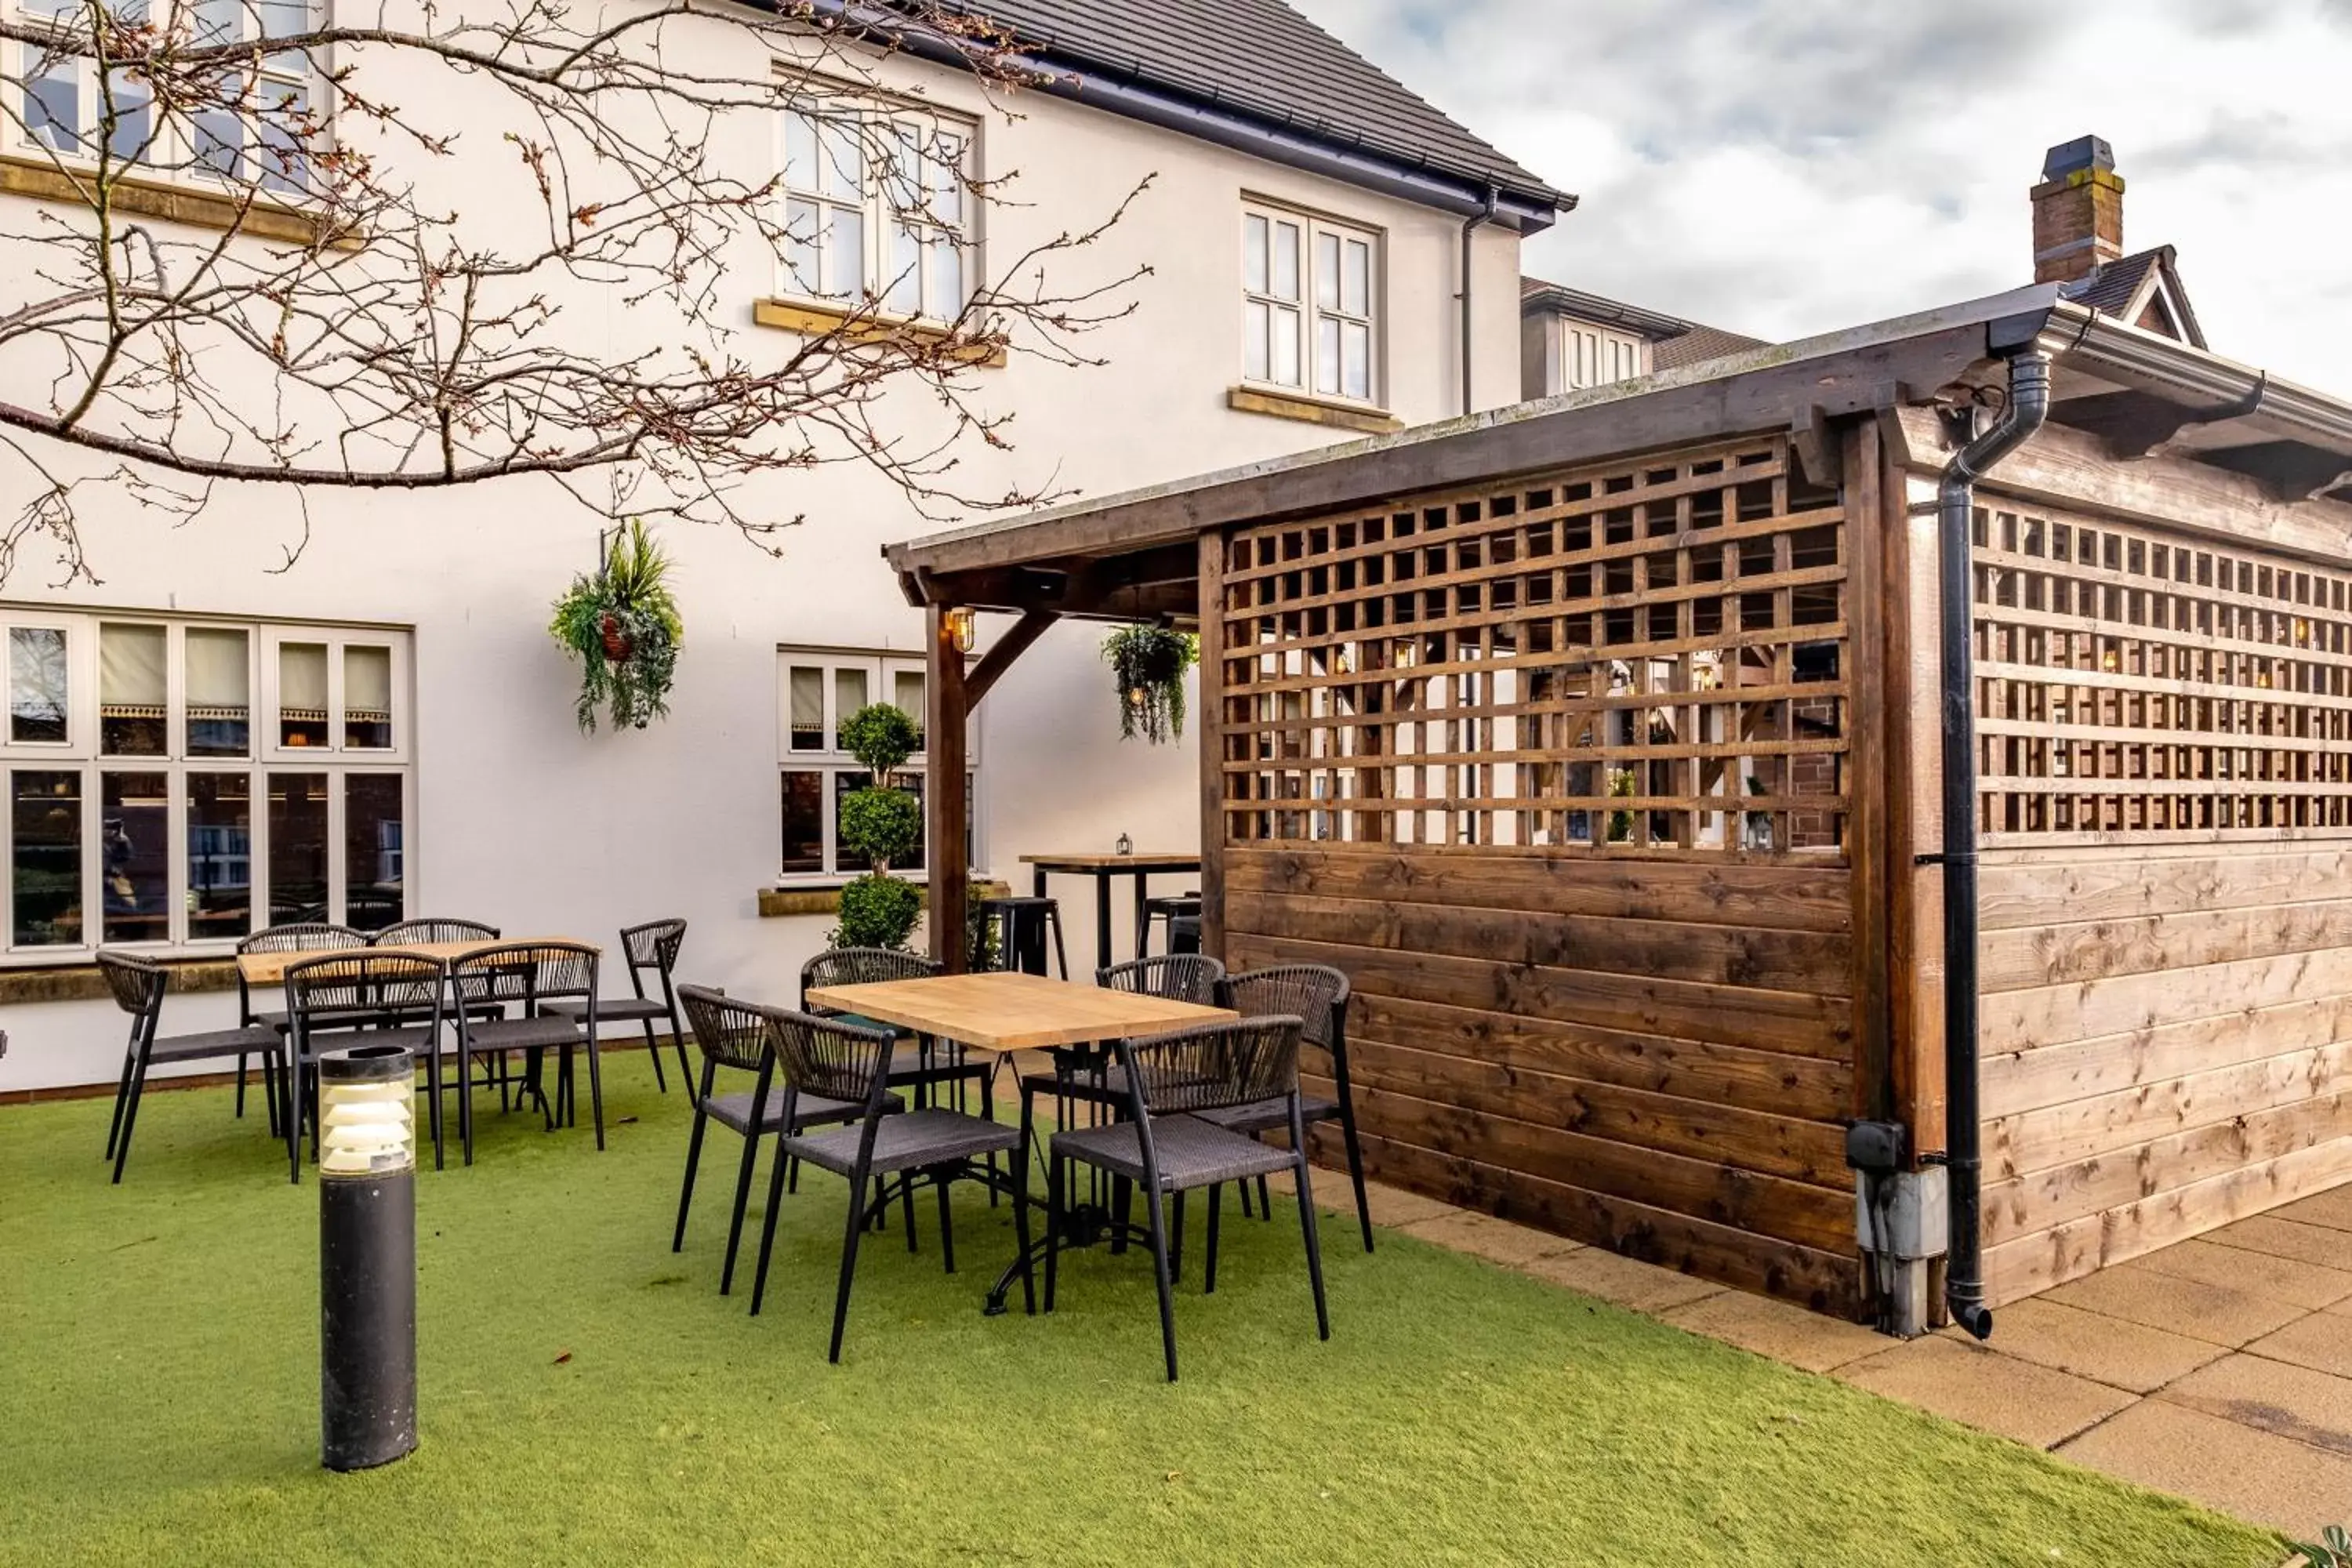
{"x":173,"y":152}
{"x":880,"y":667}
{"x":940,"y":218}
{"x":82,"y":755}
{"x":1593,"y":355}
{"x":1319,"y":297}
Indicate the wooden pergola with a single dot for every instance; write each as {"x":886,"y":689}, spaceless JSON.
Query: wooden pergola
{"x":1595,"y":737}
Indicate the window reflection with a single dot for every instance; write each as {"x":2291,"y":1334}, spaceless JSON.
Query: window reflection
{"x":36,"y":685}
{"x":220,"y":693}
{"x":297,"y":847}
{"x":220,"y":856}
{"x":45,"y":855}
{"x":134,"y":847}
{"x":375,"y":851}
{"x":804,"y":821}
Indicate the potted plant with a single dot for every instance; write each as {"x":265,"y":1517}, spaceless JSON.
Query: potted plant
{"x":624,"y":627}
{"x":884,"y":825}
{"x":1148,"y":665}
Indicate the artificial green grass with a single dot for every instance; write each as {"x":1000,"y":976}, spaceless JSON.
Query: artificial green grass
{"x":588,"y":1398}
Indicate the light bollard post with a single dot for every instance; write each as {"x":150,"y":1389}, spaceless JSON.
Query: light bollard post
{"x":367,"y":1257}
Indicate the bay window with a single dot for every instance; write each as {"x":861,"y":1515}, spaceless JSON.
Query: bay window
{"x":176,"y":783}
{"x":817,"y":690}
{"x":876,"y":209}
{"x":1310,"y":305}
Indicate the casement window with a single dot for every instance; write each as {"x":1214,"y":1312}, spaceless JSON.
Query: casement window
{"x":874,"y":208}
{"x":1596,"y":356}
{"x":67,"y":95}
{"x":175,"y":783}
{"x":1310,"y":297}
{"x":817,"y":689}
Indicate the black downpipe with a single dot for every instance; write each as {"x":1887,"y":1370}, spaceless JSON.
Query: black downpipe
{"x":1474,"y":222}
{"x":2029,"y":406}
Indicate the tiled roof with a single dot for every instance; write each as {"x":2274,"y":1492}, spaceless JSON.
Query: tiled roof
{"x":1698,"y":345}
{"x":1262,"y":59}
{"x":2112,"y":289}
{"x":1674,"y":341}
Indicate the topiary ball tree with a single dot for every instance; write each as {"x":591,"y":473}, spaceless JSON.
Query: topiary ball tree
{"x":882,"y":824}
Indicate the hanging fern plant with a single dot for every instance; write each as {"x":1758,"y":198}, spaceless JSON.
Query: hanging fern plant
{"x":1148,"y":665}
{"x":624,"y":627}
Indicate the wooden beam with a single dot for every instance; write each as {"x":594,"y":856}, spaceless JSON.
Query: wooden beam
{"x":946,"y":796}
{"x":1033,"y":624}
{"x":1868,"y":590}
{"x":1817,"y":447}
{"x":1209,"y":727}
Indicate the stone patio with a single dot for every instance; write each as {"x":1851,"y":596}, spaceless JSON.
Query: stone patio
{"x":2219,"y":1369}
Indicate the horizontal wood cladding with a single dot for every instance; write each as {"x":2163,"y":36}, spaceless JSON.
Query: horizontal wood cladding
{"x":2168,"y":1038}
{"x":1647,"y":1054}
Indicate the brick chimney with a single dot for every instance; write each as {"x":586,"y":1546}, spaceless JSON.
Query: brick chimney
{"x":2078,"y":211}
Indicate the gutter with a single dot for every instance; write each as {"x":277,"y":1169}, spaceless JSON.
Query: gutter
{"x":2029,"y":406}
{"x":1470,"y":226}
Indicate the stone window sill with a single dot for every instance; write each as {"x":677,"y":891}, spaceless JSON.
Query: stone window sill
{"x":193,"y":205}
{"x":83,"y":983}
{"x":776,"y":903}
{"x":791,"y":316}
{"x":1313,"y":410}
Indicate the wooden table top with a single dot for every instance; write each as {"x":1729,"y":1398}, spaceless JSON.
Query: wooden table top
{"x":269,"y":968}
{"x":1009,"y":1011}
{"x":1139,"y":861}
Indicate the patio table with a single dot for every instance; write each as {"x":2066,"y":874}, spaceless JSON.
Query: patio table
{"x":1006,"y":1011}
{"x":1103,"y":869}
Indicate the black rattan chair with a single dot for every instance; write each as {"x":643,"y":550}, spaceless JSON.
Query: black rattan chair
{"x":653,"y":946}
{"x":137,"y":985}
{"x":739,"y":1037}
{"x":1165,"y":1147}
{"x":1175,"y":977}
{"x":306,"y":936}
{"x":527,"y":975}
{"x":839,"y":1061}
{"x":412,"y":933}
{"x":324,"y":995}
{"x":1317,"y":993}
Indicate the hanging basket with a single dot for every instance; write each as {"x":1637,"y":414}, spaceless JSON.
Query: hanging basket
{"x":623,"y":627}
{"x":619,"y":646}
{"x":1148,"y":665}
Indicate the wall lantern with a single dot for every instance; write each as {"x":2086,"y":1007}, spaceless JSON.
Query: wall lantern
{"x":962,"y":628}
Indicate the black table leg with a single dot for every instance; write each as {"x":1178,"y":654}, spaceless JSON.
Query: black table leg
{"x":1037,"y":880}
{"x":1102,"y":920}
{"x":1142,"y":920}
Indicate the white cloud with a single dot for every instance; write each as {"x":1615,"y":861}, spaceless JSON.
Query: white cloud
{"x":1781,"y":167}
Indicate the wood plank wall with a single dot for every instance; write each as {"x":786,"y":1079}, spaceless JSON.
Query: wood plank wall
{"x":1651,"y":1055}
{"x":2168,"y":1037}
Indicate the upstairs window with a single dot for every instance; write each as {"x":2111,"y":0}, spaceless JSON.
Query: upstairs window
{"x":876,"y":209}
{"x":1310,"y":315}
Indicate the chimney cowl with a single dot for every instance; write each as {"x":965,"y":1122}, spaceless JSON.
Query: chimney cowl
{"x":2078,"y":211}
{"x":2074,"y":157}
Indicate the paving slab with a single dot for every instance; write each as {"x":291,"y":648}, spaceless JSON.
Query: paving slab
{"x":1987,"y":1389}
{"x":2257,"y":1475}
{"x":1775,"y":1328}
{"x":2268,"y":1233}
{"x":2310,"y":1406}
{"x":1390,"y":1205}
{"x":2323,"y":1342}
{"x":2126,"y":1355}
{"x":2220,"y":1314}
{"x":2332,"y":1208}
{"x":1627,"y":1282}
{"x":1497,"y":1240}
{"x":2309,"y":1286}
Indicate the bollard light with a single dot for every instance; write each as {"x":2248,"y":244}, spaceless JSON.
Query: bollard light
{"x":367,"y":1257}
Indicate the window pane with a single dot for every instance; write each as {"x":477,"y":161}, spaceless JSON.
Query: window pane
{"x":52,"y":98}
{"x":1286,"y":261}
{"x":220,"y":856}
{"x":367,"y":696}
{"x":904,"y":296}
{"x":802,"y":220}
{"x":36,"y":684}
{"x":1326,"y":353}
{"x":374,"y":855}
{"x":132,"y":123}
{"x":283,"y":18}
{"x":1356,"y":279}
{"x":841,"y":157}
{"x":846,"y":253}
{"x":804,"y":818}
{"x":1327,"y":271}
{"x":806,"y":684}
{"x":45,"y":849}
{"x":279,"y":159}
{"x":848,"y":697}
{"x":297,"y":847}
{"x":845,"y":785}
{"x":1256,"y":325}
{"x":219,"y":21}
{"x":943,"y":178}
{"x":1356,"y":359}
{"x":134,"y":847}
{"x":302,"y":694}
{"x":912,"y":783}
{"x":799,"y":152}
{"x":220,"y":139}
{"x":1286,"y":329}
{"x":132,"y":719}
{"x":946,"y":257}
{"x":907,"y":696}
{"x":1254,"y":251}
{"x":220,"y":685}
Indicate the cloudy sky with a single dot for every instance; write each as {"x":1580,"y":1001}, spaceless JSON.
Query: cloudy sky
{"x":1781,"y":167}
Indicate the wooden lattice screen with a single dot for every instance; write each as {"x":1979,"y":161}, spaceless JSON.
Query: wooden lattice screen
{"x":1647,"y":655}
{"x":2133,"y":683}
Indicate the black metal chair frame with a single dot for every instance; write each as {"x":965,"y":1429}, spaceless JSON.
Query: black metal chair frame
{"x":841,"y":1061}
{"x":518,"y":973}
{"x":138,"y":984}
{"x":296,"y":937}
{"x":1004,"y":909}
{"x":1169,"y":1077}
{"x":333,"y":992}
{"x":1168,"y":907}
{"x":1286,"y":982}
{"x":654,"y":945}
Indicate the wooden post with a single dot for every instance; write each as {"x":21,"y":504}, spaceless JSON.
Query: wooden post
{"x":947,"y":795}
{"x":1209,"y":724}
{"x":1868,"y":589}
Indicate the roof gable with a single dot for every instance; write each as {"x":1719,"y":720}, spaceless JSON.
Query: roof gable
{"x":2143,"y":290}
